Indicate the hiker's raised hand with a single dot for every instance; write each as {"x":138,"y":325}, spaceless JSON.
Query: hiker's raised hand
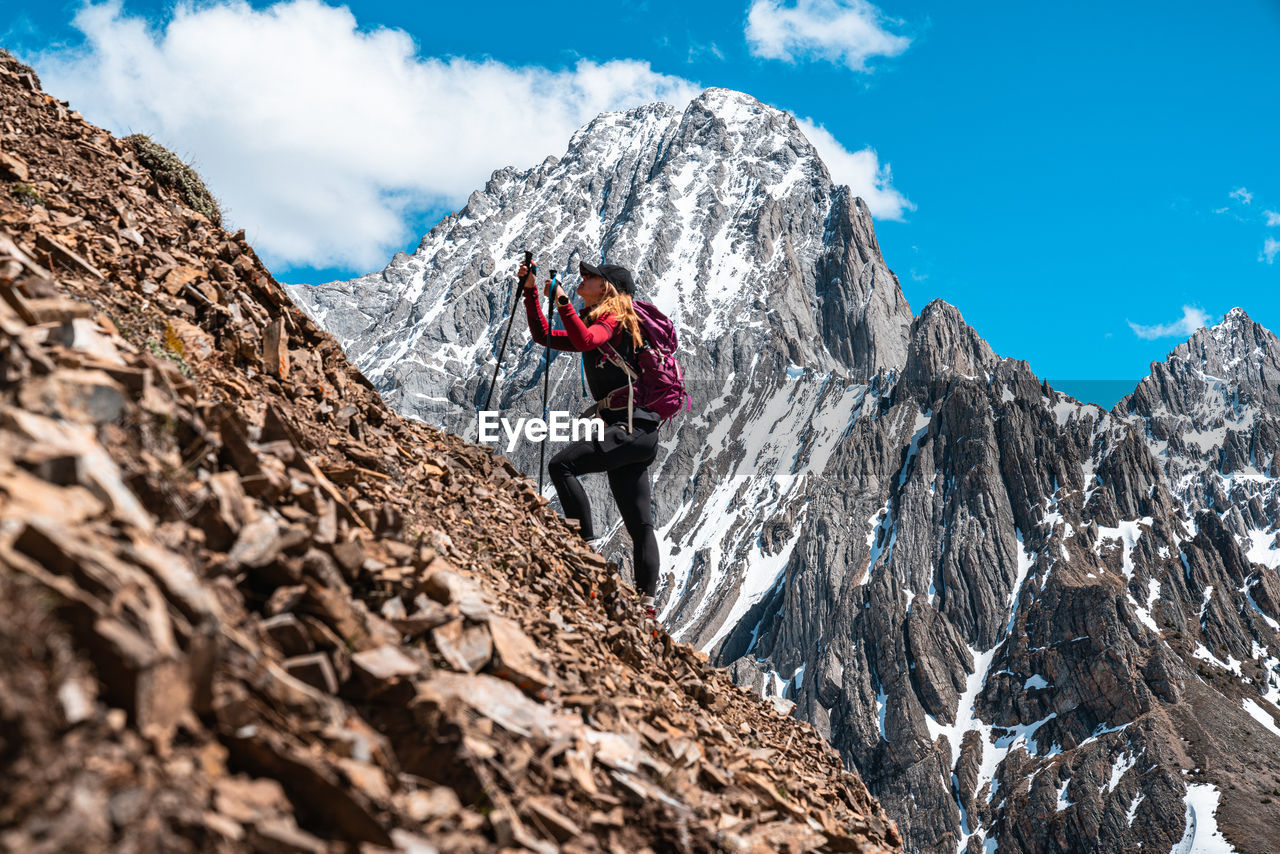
{"x":546,"y":291}
{"x":529,"y":282}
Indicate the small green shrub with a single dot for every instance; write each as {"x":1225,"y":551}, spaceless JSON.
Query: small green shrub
{"x":165,"y":351}
{"x":169,"y":171}
{"x":27,"y":194}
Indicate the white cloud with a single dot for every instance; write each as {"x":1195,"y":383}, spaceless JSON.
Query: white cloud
{"x":844,"y":31}
{"x":322,"y":138}
{"x":318,"y":135}
{"x":1191,"y":320}
{"x":1269,"y":250}
{"x":698,"y":52}
{"x":1270,"y":246}
{"x":860,"y":171}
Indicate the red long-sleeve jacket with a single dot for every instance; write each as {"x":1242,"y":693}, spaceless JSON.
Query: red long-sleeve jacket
{"x":603,"y":376}
{"x":577,"y":336}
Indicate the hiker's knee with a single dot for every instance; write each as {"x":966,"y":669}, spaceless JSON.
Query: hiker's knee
{"x":561,"y":467}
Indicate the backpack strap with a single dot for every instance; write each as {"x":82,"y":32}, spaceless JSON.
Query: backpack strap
{"x":632,"y":375}
{"x":614,"y":400}
{"x":613,"y":356}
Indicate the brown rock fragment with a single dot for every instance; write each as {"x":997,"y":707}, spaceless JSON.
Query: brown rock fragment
{"x":179,"y":277}
{"x":257,"y":544}
{"x":280,"y":836}
{"x":557,"y":825}
{"x":350,"y":556}
{"x":516,"y":658}
{"x":447,"y":586}
{"x":439,"y":802}
{"x":275,"y":349}
{"x":247,"y":800}
{"x":315,"y":670}
{"x":288,"y":634}
{"x":466,"y":648}
{"x":11,"y":168}
{"x":427,"y":614}
{"x":384,"y":663}
{"x":67,"y":257}
{"x":84,"y":396}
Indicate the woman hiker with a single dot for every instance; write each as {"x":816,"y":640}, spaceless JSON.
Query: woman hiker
{"x":606,"y":293}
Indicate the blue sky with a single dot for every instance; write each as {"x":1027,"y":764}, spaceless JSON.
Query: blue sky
{"x":1085,"y":184}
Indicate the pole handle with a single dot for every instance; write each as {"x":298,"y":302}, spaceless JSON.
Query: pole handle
{"x":533,"y":268}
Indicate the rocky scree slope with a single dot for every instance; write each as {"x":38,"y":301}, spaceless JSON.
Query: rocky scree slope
{"x":249,"y":608}
{"x":1030,"y":624}
{"x":785,"y":309}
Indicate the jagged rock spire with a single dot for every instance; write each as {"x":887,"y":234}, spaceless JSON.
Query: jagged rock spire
{"x":1237,"y":362}
{"x":942,"y":343}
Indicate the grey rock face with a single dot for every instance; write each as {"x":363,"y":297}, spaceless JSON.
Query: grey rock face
{"x":1021,"y":618}
{"x":1005,"y":618}
{"x":1209,"y":415}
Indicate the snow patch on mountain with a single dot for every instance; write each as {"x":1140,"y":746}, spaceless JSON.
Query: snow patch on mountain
{"x":1202,"y":835}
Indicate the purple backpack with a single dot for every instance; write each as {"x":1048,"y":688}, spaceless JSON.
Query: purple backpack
{"x":656,"y":383}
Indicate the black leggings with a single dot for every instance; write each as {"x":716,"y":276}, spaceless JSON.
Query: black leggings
{"x":626,"y":458}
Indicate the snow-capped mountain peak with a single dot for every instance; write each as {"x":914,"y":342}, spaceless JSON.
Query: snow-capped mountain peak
{"x":1231,"y":366}
{"x":724,"y":212}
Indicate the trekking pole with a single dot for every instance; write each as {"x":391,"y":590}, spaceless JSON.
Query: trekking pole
{"x":546,"y":374}
{"x":533,"y":271}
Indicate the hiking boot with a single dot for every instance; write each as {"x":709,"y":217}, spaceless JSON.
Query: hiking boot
{"x":648,"y":609}
{"x":650,"y":621}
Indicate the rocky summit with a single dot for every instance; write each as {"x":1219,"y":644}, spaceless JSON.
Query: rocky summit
{"x":1028,"y":623}
{"x":248,"y":608}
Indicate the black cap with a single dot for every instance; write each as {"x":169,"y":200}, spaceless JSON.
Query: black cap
{"x":619,"y":277}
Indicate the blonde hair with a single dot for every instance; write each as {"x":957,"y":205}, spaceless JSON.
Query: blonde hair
{"x":619,"y":305}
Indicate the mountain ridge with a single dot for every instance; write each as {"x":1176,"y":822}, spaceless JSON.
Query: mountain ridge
{"x":990,"y":597}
